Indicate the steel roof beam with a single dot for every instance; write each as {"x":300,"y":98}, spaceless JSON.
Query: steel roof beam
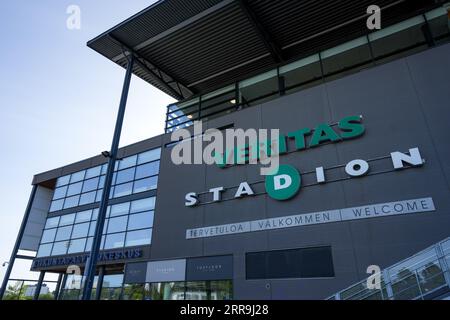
{"x":272,"y":47}
{"x":142,"y":62}
{"x":180,"y":26}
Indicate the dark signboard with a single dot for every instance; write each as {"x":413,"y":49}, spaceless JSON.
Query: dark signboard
{"x":135,"y":272}
{"x":81,"y":259}
{"x":210,"y":268}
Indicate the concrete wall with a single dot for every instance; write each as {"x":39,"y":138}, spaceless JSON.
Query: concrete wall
{"x":404,"y":105}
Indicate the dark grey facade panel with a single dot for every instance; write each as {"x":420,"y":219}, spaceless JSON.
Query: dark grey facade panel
{"x":403,"y":105}
{"x":36,"y":219}
{"x":135,"y":272}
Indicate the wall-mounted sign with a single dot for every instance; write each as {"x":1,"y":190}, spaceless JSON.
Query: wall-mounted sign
{"x":166,"y":271}
{"x":364,"y":212}
{"x":135,"y":272}
{"x":345,"y":129}
{"x":123,"y":254}
{"x":286,"y":183}
{"x":209,"y":268}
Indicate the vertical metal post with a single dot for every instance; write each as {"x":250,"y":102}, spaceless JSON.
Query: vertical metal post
{"x":237,"y":96}
{"x":18,"y":241}
{"x":167,"y":119}
{"x":321,"y":67}
{"x":37,"y":291}
{"x":427,"y":33}
{"x":443,"y":262}
{"x":281,"y":83}
{"x":58,"y":286}
{"x":63,"y":286}
{"x":388,"y":283}
{"x":98,"y":291}
{"x":92,"y":261}
{"x":369,"y":43}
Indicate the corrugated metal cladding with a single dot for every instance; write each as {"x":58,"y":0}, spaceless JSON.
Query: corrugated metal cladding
{"x":204,"y":44}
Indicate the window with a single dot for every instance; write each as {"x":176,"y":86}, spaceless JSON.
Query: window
{"x":87,"y":198}
{"x":128,"y":216}
{"x":101,"y":182}
{"x":93,"y":172}
{"x":127,"y":162}
{"x":56,"y":205}
{"x":138,"y":238}
{"x":48,"y":236}
{"x":119,"y":209}
{"x":98,"y":197}
{"x":52,"y":222}
{"x":387,"y":41}
{"x":133,"y":292}
{"x":62,"y":181}
{"x":78,"y":176}
{"x":293,"y":263}
{"x":148,"y":156}
{"x":67,"y":219}
{"x":92,"y":227}
{"x":71,"y":202}
{"x":259,"y":89}
{"x":74,"y":188}
{"x":143,"y":205}
{"x":354,"y":54}
{"x":146,"y":170}
{"x":63,"y":233}
{"x":86,"y":187}
{"x":76,"y":245}
{"x":182,"y":114}
{"x":44,"y":250}
{"x":111,"y":287}
{"x":117,"y":224}
{"x":60,"y":192}
{"x":145,"y":184}
{"x":125,"y":175}
{"x":90,"y":184}
{"x":83,"y":216}
{"x":80,"y":230}
{"x":219,"y":102}
{"x":89,"y":244}
{"x":59,"y":248}
{"x":167,"y":291}
{"x":301,"y":74}
{"x":190,"y":290}
{"x":141,"y":220}
{"x":123,"y":190}
{"x":115,"y":240}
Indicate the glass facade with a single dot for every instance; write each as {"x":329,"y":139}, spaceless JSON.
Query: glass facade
{"x":113,"y":288}
{"x":180,"y":290}
{"x":402,"y":39}
{"x":134,"y":174}
{"x":127,"y":223}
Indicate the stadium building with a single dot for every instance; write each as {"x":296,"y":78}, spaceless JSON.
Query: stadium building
{"x":363,"y":119}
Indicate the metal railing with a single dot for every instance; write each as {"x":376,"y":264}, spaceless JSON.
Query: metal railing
{"x":422,"y":276}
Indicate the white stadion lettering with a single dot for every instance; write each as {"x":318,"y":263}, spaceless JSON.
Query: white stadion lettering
{"x":281,"y":182}
{"x":364,"y":212}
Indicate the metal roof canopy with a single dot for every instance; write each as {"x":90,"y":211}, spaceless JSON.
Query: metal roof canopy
{"x":189,"y":47}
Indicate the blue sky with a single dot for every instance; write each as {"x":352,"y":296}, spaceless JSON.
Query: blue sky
{"x":58,"y":98}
